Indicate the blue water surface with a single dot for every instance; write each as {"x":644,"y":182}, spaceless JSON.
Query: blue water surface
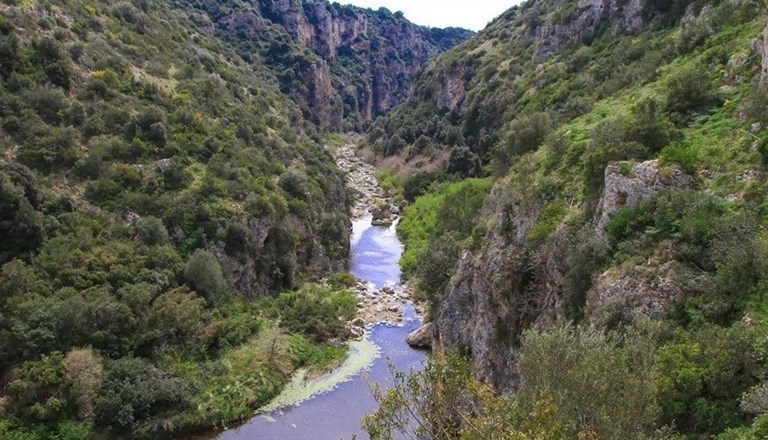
{"x":336,"y":414}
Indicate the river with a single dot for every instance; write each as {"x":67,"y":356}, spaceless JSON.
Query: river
{"x":331,"y":407}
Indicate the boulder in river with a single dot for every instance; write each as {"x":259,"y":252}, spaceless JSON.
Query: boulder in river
{"x":421,"y":338}
{"x":382,"y":216}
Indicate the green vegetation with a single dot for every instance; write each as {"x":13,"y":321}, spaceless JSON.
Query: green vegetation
{"x":578,"y":382}
{"x":161,"y":202}
{"x":436,"y":227}
{"x":678,"y":112}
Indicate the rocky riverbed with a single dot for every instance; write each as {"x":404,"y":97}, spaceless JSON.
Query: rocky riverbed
{"x":371,"y":199}
{"x":374,"y":205}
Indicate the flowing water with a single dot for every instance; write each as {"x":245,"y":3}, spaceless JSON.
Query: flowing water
{"x":331,"y":407}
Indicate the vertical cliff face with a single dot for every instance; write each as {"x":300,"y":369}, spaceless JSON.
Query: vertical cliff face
{"x":585,"y":20}
{"x":344,"y":65}
{"x":484,"y":308}
{"x":512,"y":284}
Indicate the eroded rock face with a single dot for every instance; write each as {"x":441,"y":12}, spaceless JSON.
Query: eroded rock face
{"x":628,"y":184}
{"x":485,"y":305}
{"x":764,"y":52}
{"x":586,"y":21}
{"x":362,"y":61}
{"x":453,"y":89}
{"x":510,"y":286}
{"x":624,"y":291}
{"x":241,"y":271}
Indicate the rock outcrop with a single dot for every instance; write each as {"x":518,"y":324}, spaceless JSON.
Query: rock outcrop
{"x":763,"y":49}
{"x":509,"y":286}
{"x":453,"y":89}
{"x":624,"y":291}
{"x":345,"y":65}
{"x":628,"y":184}
{"x":586,"y":21}
{"x":484,"y":305}
{"x":421,"y":337}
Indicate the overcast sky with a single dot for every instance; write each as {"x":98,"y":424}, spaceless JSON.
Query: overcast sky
{"x":469,"y":14}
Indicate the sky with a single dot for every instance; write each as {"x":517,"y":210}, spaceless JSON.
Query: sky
{"x":469,"y":14}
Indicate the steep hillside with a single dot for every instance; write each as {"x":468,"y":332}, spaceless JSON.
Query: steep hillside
{"x":628,"y":145}
{"x":152,"y":185}
{"x":344,"y":65}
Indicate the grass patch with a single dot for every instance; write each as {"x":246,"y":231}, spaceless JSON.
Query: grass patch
{"x":248,"y":377}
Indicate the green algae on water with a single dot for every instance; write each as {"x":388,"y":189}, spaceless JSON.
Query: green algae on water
{"x":361,"y":356}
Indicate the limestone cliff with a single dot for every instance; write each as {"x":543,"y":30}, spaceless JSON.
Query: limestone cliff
{"x":345,"y":65}
{"x":510,"y":286}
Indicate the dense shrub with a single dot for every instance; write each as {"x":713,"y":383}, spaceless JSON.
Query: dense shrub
{"x":134,"y":394}
{"x":437,"y":264}
{"x":700,"y":377}
{"x":418,"y":183}
{"x":152,"y":232}
{"x":317,"y":311}
{"x":692,"y":90}
{"x":203,"y":273}
{"x":596,"y":381}
{"x":609,"y":144}
{"x":295,"y":183}
{"x":524,"y":134}
{"x":463,"y":162}
{"x":21,"y":224}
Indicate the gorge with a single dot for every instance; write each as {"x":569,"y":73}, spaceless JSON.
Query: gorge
{"x":576,"y":195}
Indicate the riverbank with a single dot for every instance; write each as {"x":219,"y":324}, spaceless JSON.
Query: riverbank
{"x":331,"y":406}
{"x":373,"y":206}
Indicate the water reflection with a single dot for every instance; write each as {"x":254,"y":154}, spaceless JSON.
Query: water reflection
{"x":334,"y":414}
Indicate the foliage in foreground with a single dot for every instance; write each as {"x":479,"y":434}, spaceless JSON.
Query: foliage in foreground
{"x":579,"y":382}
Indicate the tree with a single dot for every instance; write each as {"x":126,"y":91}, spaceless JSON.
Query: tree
{"x":692,"y":90}
{"x":203,"y":273}
{"x":21,"y":226}
{"x":463,"y":162}
{"x":83,"y":371}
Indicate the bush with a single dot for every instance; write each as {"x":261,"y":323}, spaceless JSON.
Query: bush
{"x":436,"y":266}
{"x":650,"y":127}
{"x":21,"y":224}
{"x":203,"y":273}
{"x":152,"y":232}
{"x":417,"y":184}
{"x":463,"y":163}
{"x":134,"y":394}
{"x":683,"y":154}
{"x":701,"y":376}
{"x":692,"y":90}
{"x":692,"y":36}
{"x":317,"y":311}
{"x":524,"y":134}
{"x":295,"y":183}
{"x":179,"y":319}
{"x":609,"y":143}
{"x":597,"y":382}
{"x":238,"y":239}
{"x":52,"y":152}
